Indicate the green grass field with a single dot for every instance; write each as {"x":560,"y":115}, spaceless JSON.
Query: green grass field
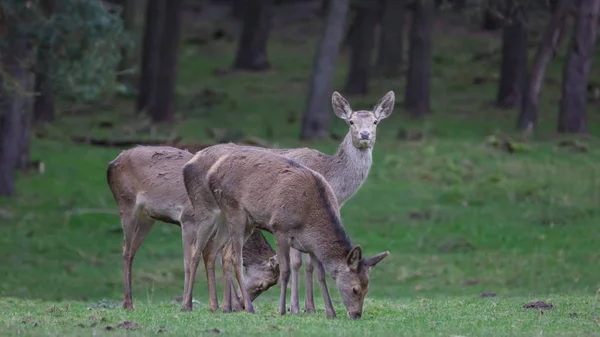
{"x":459,"y":217}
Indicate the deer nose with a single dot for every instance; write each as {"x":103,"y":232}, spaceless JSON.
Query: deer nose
{"x":364,"y":135}
{"x":354,"y":315}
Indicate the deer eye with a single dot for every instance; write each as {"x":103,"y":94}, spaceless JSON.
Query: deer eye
{"x":375,"y":122}
{"x":351,"y":122}
{"x":355,"y":290}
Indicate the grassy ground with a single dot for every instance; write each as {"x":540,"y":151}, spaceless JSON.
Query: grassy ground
{"x":459,"y":217}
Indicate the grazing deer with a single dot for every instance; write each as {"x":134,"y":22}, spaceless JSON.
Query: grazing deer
{"x":147,"y":185}
{"x":345,"y":172}
{"x":256,"y":188}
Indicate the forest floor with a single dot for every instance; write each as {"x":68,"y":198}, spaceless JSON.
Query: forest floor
{"x":475,"y":232}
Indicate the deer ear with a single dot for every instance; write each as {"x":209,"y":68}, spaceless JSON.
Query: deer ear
{"x":341,"y":107}
{"x":384,"y":107}
{"x":354,"y":258}
{"x":273,"y":262}
{"x":371,"y":262}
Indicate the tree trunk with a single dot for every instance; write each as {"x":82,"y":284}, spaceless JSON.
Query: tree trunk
{"x":162,"y":108}
{"x":153,"y":29}
{"x":362,"y":49}
{"x":43,"y":108}
{"x":546,"y":51}
{"x":128,"y":16}
{"x":391,"y":42}
{"x":490,"y":20}
{"x":316,"y":116}
{"x":26,"y":120}
{"x":14,"y":115}
{"x":416,"y":100}
{"x":513,"y":73}
{"x":252,"y":46}
{"x":572,"y":116}
{"x":237,"y":9}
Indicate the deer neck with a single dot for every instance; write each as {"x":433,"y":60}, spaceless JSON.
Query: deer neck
{"x":349,"y":169}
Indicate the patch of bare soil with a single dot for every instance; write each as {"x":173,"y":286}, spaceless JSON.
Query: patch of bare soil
{"x":538,"y":305}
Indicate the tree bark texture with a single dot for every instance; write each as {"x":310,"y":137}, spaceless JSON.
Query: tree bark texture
{"x":252,"y":46}
{"x":153,"y":29}
{"x":128,"y":16}
{"x":513,"y":72}
{"x":316,"y":116}
{"x":391,"y":41}
{"x":361,"y":47}
{"x":572,"y":116}
{"x":546,"y":51}
{"x":416,"y":96}
{"x":162,"y":109}
{"x":14,"y":116}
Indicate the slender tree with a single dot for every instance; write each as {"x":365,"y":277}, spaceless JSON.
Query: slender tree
{"x":153,"y":29}
{"x":15,"y":89}
{"x":416,"y":96}
{"x":43,"y":109}
{"x":162,"y":108}
{"x":513,"y":73}
{"x":528,"y":113}
{"x":361,"y":46}
{"x":572,"y":117}
{"x":252,"y":47}
{"x":316,"y":115}
{"x":391,"y":41}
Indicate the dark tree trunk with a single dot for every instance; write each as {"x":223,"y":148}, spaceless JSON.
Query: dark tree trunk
{"x":391,"y":42}
{"x":572,"y":116}
{"x":316,"y":116}
{"x":14,"y":116}
{"x":325,"y":5}
{"x":162,"y":109}
{"x":252,"y":46}
{"x":237,"y":9}
{"x":513,"y":73}
{"x":490,"y":21}
{"x":417,"y":100}
{"x":153,"y":29}
{"x":362,"y":49}
{"x":26,"y":121}
{"x":43,"y":108}
{"x":128,"y":16}
{"x":529,"y":106}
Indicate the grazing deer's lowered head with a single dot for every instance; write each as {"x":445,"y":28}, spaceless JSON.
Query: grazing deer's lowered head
{"x":257,"y":188}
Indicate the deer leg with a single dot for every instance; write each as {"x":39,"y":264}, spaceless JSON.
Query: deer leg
{"x":296,"y":261}
{"x":309,"y":300}
{"x":238,"y":245}
{"x":196,"y":230}
{"x":238,"y":305}
{"x":135,"y":230}
{"x":210,"y":252}
{"x":323,"y":284}
{"x":283,"y":251}
{"x":228,"y":287}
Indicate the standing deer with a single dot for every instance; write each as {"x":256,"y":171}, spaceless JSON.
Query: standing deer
{"x":147,"y":185}
{"x":256,"y":188}
{"x":345,"y":172}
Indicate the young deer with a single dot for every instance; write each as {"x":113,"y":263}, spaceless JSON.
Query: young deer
{"x":256,"y":188}
{"x":147,"y":185}
{"x":345,"y":172}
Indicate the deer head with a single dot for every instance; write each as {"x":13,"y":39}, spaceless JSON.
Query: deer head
{"x":363,"y":123}
{"x":261,"y":277}
{"x":353,"y":280}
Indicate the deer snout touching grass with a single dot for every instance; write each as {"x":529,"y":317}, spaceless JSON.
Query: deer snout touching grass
{"x":345,"y":172}
{"x":256,"y":188}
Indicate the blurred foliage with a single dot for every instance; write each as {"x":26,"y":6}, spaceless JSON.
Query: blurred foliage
{"x":81,"y":40}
